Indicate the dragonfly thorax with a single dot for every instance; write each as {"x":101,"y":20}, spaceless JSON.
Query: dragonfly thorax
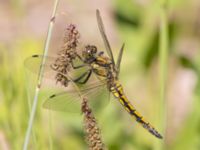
{"x":100,"y":64}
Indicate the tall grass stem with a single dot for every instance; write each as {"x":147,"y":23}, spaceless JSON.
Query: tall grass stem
{"x":40,"y":76}
{"x":163,"y":69}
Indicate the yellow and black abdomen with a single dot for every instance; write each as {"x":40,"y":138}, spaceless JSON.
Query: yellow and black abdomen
{"x":118,"y":93}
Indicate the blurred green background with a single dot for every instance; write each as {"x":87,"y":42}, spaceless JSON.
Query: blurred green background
{"x":176,"y":113}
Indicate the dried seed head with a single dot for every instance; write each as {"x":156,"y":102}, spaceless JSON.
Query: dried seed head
{"x":67,"y":54}
{"x":93,"y":136}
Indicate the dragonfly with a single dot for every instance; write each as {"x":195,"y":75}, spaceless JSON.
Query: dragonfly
{"x":107,"y":71}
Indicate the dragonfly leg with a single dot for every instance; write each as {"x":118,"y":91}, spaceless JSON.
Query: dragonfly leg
{"x":100,"y":53}
{"x":87,"y":74}
{"x":77,"y":67}
{"x":87,"y":78}
{"x":80,"y":58}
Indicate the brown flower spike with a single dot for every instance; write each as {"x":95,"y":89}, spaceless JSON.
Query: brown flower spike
{"x":91,"y":128}
{"x":67,"y":54}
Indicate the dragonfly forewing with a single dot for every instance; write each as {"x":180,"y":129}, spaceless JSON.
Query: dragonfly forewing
{"x":34,"y":63}
{"x":104,"y":36}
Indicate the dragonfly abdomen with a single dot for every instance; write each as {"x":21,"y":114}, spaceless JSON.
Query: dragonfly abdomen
{"x":118,"y":93}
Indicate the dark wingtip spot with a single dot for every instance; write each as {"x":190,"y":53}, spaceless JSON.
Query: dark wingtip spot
{"x":35,"y":55}
{"x":52,"y":96}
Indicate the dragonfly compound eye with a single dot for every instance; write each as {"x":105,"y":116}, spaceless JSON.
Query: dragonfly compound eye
{"x":91,"y":49}
{"x":94,"y":49}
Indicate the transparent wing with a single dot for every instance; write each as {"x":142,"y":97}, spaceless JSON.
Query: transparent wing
{"x":34,"y":63}
{"x":70,"y":101}
{"x":103,"y":34}
{"x":61,"y":39}
{"x":119,"y":59}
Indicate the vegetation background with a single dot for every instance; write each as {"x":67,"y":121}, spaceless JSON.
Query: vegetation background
{"x":162,"y":42}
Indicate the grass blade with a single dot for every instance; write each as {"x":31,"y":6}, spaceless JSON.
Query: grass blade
{"x":163,"y":61}
{"x":40,"y":75}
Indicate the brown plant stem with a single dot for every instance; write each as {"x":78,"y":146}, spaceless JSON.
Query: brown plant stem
{"x":92,"y":131}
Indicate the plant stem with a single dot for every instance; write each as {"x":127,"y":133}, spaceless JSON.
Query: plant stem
{"x":163,"y":65}
{"x":40,"y":76}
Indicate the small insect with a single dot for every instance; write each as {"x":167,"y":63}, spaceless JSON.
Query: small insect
{"x":104,"y":68}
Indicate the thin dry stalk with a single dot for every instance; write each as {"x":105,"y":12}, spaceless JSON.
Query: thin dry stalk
{"x":93,"y":134}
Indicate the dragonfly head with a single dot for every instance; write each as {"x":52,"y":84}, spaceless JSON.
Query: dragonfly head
{"x":89,"y":53}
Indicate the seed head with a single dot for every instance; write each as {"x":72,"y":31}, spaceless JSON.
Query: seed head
{"x":67,"y":54}
{"x":93,"y":135}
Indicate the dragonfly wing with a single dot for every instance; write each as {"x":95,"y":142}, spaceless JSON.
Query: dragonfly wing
{"x":103,"y":34}
{"x":70,"y":101}
{"x":119,"y":59}
{"x":34,"y":63}
{"x":99,"y":98}
{"x":66,"y":102}
{"x":32,"y":67}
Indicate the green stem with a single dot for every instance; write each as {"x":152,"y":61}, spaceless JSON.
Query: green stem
{"x":163,"y":69}
{"x":40,"y":76}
